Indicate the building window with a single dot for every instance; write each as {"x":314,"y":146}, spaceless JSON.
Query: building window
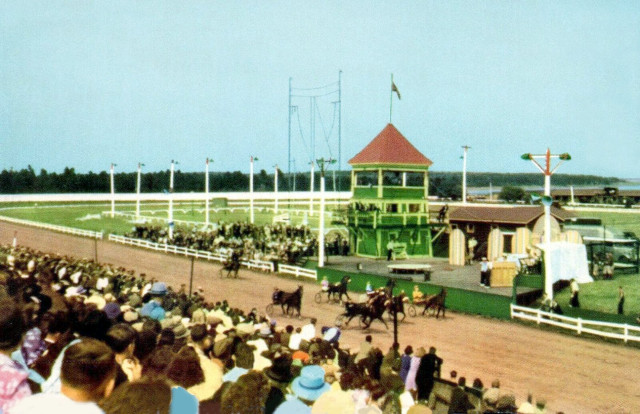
{"x":366,"y":178}
{"x":471,"y":228}
{"x":392,"y":208}
{"x":392,"y":178}
{"x":414,"y":208}
{"x":414,"y":179}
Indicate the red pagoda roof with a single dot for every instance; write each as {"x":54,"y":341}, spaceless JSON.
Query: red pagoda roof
{"x":390,"y":147}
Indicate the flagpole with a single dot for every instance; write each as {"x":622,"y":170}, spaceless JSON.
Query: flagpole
{"x":391,"y":99}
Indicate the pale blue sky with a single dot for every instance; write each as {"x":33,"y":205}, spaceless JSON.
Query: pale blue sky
{"x":86,"y":83}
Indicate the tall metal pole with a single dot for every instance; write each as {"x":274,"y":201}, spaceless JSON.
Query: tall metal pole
{"x":113,"y":193}
{"x":294,"y":175}
{"x":275,"y":190}
{"x":251,"y":218}
{"x":289,"y":153}
{"x":138,"y":191}
{"x":206,"y":193}
{"x":547,"y":201}
{"x":339,"y":127}
{"x":311,"y":189}
{"x":322,"y":164}
{"x":171,"y":199}
{"x":193,"y":259}
{"x":464,"y":174}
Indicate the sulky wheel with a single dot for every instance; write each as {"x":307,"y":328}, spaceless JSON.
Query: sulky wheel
{"x":412,"y":310}
{"x":318,"y":297}
{"x":269,"y":309}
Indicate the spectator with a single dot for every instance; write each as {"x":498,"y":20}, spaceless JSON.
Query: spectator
{"x":121,"y":338}
{"x":406,"y":363}
{"x":13,"y":377}
{"x":429,"y":366}
{"x":459,"y":398}
{"x":575,"y":291}
{"x":153,"y":308}
{"x":620,"y":301}
{"x":87,"y":375}
{"x":144,"y":396}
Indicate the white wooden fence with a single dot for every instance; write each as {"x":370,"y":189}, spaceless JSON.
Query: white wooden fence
{"x":61,"y":229}
{"x":298,"y":271}
{"x":615,"y":330}
{"x":185,"y":251}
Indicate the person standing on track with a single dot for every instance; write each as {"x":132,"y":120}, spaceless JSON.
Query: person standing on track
{"x":485,"y":272}
{"x":575,"y":290}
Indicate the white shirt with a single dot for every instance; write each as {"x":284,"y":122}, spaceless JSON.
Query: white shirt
{"x":308,"y":332}
{"x":294,"y":341}
{"x":54,"y":404}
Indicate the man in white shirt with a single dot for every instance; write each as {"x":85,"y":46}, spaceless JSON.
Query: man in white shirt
{"x":87,"y":374}
{"x":308,"y":331}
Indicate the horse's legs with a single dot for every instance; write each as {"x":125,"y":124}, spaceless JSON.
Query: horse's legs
{"x":381,"y":319}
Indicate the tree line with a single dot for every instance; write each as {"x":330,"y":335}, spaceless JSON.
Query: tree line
{"x":442,"y":184}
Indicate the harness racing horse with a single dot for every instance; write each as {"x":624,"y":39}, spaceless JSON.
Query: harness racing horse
{"x":396,"y":304}
{"x":339,"y":289}
{"x":368,"y":312}
{"x":292,"y":300}
{"x":435,"y":303}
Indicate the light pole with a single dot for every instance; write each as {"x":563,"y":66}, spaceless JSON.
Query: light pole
{"x":140,"y":165}
{"x":113,"y":192}
{"x":173,"y":163}
{"x":547,"y":170}
{"x":311,"y":189}
{"x":294,"y":174}
{"x":464,"y":174}
{"x":206,"y":192}
{"x":275,"y":189}
{"x":322,"y":163}
{"x":251,"y":216}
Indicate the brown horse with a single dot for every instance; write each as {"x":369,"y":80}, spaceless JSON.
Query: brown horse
{"x":292,"y":300}
{"x":436,"y":303}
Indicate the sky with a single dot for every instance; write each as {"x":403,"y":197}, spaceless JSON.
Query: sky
{"x":87,"y":83}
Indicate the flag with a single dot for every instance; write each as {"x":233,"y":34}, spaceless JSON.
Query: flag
{"x":394,"y":88}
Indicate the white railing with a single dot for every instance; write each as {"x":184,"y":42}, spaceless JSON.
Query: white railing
{"x":54,"y":227}
{"x":617,"y":331}
{"x":298,"y":271}
{"x":185,"y":251}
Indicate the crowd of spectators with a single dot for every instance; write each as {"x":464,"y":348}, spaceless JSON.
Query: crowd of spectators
{"x":276,"y":242}
{"x":79,"y":337}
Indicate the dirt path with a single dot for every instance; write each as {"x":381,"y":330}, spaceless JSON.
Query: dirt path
{"x":574,"y":375}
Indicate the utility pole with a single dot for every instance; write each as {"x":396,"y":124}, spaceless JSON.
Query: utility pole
{"x":464,"y":174}
{"x":322,"y":163}
{"x":547,"y":201}
{"x":140,"y":165}
{"x":113,"y":192}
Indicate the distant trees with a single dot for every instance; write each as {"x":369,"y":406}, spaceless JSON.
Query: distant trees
{"x":441,"y":184}
{"x":512,"y":194}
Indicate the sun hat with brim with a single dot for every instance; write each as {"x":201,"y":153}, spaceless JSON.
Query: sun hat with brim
{"x":310,"y":384}
{"x":130,"y":316}
{"x":96,"y":300}
{"x":293,"y":406}
{"x":335,"y":401}
{"x":419,"y":409}
{"x":158,"y":289}
{"x":180,"y":331}
{"x":526,"y":408}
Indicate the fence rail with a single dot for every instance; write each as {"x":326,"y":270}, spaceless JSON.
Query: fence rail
{"x":54,"y":227}
{"x":298,"y":271}
{"x":185,"y":251}
{"x":620,"y":331}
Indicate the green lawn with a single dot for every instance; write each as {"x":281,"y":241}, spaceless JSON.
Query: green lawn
{"x":627,"y":221}
{"x":88,"y":215}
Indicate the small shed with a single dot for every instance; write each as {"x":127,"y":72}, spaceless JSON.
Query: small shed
{"x":504,"y":229}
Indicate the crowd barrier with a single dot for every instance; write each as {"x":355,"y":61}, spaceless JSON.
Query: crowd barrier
{"x":185,"y":251}
{"x":298,"y":271}
{"x":61,"y":229}
{"x":616,"y":331}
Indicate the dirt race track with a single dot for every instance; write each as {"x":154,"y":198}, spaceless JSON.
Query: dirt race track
{"x":574,"y":375}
